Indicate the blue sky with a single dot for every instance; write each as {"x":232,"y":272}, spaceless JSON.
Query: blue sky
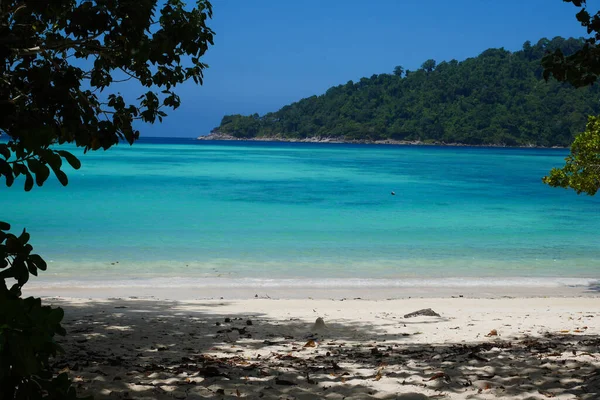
{"x":269,"y":53}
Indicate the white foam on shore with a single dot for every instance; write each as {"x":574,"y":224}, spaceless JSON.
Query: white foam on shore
{"x":324,"y":283}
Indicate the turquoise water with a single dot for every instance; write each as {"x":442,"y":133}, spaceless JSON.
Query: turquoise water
{"x":172,"y":211}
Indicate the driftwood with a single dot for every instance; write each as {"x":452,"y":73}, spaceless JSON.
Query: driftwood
{"x":426,"y":312}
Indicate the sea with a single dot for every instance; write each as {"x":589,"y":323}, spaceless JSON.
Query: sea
{"x":182,"y":212}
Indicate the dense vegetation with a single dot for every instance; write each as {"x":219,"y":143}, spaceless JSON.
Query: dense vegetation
{"x":499,"y":97}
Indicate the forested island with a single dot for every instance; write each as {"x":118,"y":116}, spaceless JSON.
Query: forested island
{"x":498,"y":98}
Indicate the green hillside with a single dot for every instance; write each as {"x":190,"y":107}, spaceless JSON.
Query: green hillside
{"x":497,"y":98}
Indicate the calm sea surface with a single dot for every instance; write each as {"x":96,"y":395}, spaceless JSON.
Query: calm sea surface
{"x":176,"y":210}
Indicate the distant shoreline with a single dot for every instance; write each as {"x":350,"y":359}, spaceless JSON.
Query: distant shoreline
{"x":318,"y":139}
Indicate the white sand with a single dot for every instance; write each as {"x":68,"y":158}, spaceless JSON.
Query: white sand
{"x":153,"y":349}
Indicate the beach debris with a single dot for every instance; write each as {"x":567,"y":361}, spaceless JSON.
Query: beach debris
{"x":439,"y":375}
{"x":227,"y":320}
{"x":249,"y":322}
{"x":376,"y":352}
{"x":477,"y":357}
{"x":284,"y":382}
{"x":466,"y":382}
{"x":319,"y":325}
{"x":426,"y":312}
{"x":310,"y":343}
{"x":493,"y":332}
{"x":212,"y":372}
{"x":86,"y":329}
{"x":99,"y":372}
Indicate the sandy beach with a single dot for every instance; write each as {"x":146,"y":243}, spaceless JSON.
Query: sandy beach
{"x":262,"y":348}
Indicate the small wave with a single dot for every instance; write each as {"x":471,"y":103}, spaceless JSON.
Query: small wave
{"x":176,"y":282}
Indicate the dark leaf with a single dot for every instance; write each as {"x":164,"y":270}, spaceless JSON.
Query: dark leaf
{"x":31,"y":268}
{"x":62,"y":177}
{"x":4,"y":151}
{"x":28,"y":181}
{"x":38,"y":261}
{"x":71,"y":159}
{"x":24,"y":238}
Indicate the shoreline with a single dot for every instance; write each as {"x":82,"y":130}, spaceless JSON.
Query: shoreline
{"x":391,"y":142}
{"x":224,"y":289}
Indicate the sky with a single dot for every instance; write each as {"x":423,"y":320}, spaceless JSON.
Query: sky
{"x":269,"y":53}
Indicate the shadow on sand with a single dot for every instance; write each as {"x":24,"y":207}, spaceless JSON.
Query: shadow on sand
{"x":162,"y":350}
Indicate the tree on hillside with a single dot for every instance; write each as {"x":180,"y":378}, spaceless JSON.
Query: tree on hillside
{"x":580,"y":68}
{"x":428,"y":65}
{"x":398,"y":70}
{"x":62,"y":62}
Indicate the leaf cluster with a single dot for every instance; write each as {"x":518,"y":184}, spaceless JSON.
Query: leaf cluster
{"x":581,"y":171}
{"x":16,"y":259}
{"x":61,"y":63}
{"x":582,"y":67}
{"x":27,"y":330}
